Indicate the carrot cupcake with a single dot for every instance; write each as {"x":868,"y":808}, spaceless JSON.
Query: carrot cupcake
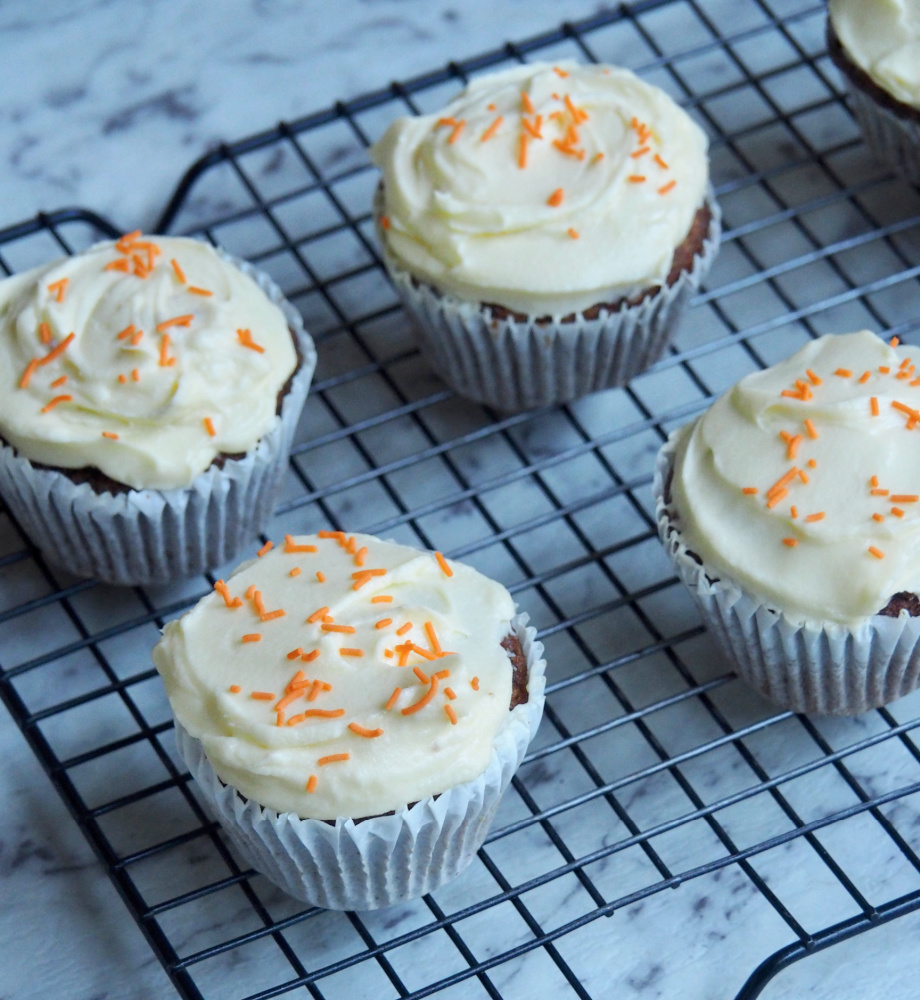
{"x":353,"y":710}
{"x":876,"y":46}
{"x":790,"y":509}
{"x":149,"y":390}
{"x":546,"y":229}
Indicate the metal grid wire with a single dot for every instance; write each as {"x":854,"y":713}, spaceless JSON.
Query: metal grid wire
{"x":655,"y":767}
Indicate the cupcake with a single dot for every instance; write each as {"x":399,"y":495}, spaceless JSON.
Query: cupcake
{"x":876,"y":47}
{"x":149,"y":391}
{"x":353,"y":710}
{"x":791,"y":509}
{"x":546,"y":230}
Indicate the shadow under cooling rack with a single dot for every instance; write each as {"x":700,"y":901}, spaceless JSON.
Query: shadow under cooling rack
{"x":655,"y":767}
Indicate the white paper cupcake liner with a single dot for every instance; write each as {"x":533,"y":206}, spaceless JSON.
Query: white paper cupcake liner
{"x":821,"y":667}
{"x":513,"y":366}
{"x":381,"y":860}
{"x":157,"y":536}
{"x":893,"y":140}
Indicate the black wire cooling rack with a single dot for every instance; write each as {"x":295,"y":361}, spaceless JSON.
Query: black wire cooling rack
{"x":655,"y":767}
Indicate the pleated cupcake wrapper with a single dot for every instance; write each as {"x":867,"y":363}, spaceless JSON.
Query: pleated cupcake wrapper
{"x":513,"y":366}
{"x":892,"y":139}
{"x":157,"y":536}
{"x":827,"y":668}
{"x":382,"y":860}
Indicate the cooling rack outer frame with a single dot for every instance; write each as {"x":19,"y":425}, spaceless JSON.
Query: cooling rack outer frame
{"x":91,"y":820}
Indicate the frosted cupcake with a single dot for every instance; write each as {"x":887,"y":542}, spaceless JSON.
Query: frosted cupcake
{"x":149,"y":390}
{"x":353,"y":710}
{"x":876,"y":46}
{"x":546,"y":229}
{"x":791,"y":510}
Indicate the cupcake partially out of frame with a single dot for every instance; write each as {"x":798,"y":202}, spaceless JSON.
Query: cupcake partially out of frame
{"x":791,"y":510}
{"x":149,"y":391}
{"x":546,"y":229}
{"x":353,"y":710}
{"x":876,"y":46}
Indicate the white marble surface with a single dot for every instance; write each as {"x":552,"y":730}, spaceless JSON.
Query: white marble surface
{"x":105,"y":104}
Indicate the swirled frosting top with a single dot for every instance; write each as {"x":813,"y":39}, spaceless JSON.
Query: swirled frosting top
{"x":144,"y":358}
{"x":883,"y":38}
{"x":343,"y":676}
{"x":543,"y":189}
{"x":802,"y":483}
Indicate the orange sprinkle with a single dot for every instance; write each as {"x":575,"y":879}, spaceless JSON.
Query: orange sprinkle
{"x":299,"y":680}
{"x":914,"y":414}
{"x":384,"y":622}
{"x":534,"y":127}
{"x":55,"y":402}
{"x":366,"y":733}
{"x":893,"y":342}
{"x":28,"y":373}
{"x":294,"y":653}
{"x":873,"y":406}
{"x":450,"y":693}
{"x":572,"y":232}
{"x":309,"y":657}
{"x":844,"y":372}
{"x":311,"y":784}
{"x":426,"y":699}
{"x":385,"y":221}
{"x":528,"y":104}
{"x":252,"y":637}
{"x":209,"y":427}
{"x":333,"y":758}
{"x":121,"y":264}
{"x":794,"y":511}
{"x":268,"y":616}
{"x":897,"y":511}
{"x":578,"y":114}
{"x":403,"y":629}
{"x":320,"y":576}
{"x":776,"y":498}
{"x":421,"y":675}
{"x":418,"y":649}
{"x":195,"y":290}
{"x":812,"y":464}
{"x":566,"y":148}
{"x":267,"y":547}
{"x":749,"y":490}
{"x":783,"y":481}
{"x":250,"y":591}
{"x":878,"y":517}
{"x":636,"y":179}
{"x":317,"y":615}
{"x":392,"y":699}
{"x":814,"y":378}
{"x":560,"y":72}
{"x":128,"y":330}
{"x":667,"y":187}
{"x":338,"y":628}
{"x":817,"y":516}
{"x":315,"y":690}
{"x":179,"y":272}
{"x":555,"y":199}
{"x":433,"y":639}
{"x":122,"y":379}
{"x":790,"y":542}
{"x":474,"y":683}
{"x":884,"y":369}
{"x":57,"y":352}
{"x":124,"y":243}
{"x":324,"y":713}
{"x":59,"y":288}
{"x":446,"y":121}
{"x":492,"y":129}
{"x":245,"y":338}
{"x":904,"y":498}
{"x":224,"y":591}
{"x":175,"y":321}
{"x":135,"y":374}
{"x":810,"y":427}
{"x":793,"y":446}
{"x":234,"y":689}
{"x":361,"y":555}
{"x":640,"y":152}
{"x":597,"y":158}
{"x":291,"y":546}
{"x":451,"y":714}
{"x":388,"y":653}
{"x":347,"y":651}
{"x":44,"y":333}
{"x":340,"y":535}
{"x":864,"y":377}
{"x":661,"y":162}
{"x":457,"y":129}
{"x":165,"y":360}
{"x":136,"y":338}
{"x":111,"y":435}
{"x":878,"y":493}
{"x":381,"y":599}
{"x":263,"y":695}
{"x":792,"y":394}
{"x":522,"y":151}
{"x":288,"y":699}
{"x":876,"y":552}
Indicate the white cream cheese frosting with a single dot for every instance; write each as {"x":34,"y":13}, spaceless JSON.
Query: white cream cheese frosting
{"x":377,"y":677}
{"x":802,"y":483}
{"x":882,"y":37}
{"x":543,"y":189}
{"x":144,"y":358}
